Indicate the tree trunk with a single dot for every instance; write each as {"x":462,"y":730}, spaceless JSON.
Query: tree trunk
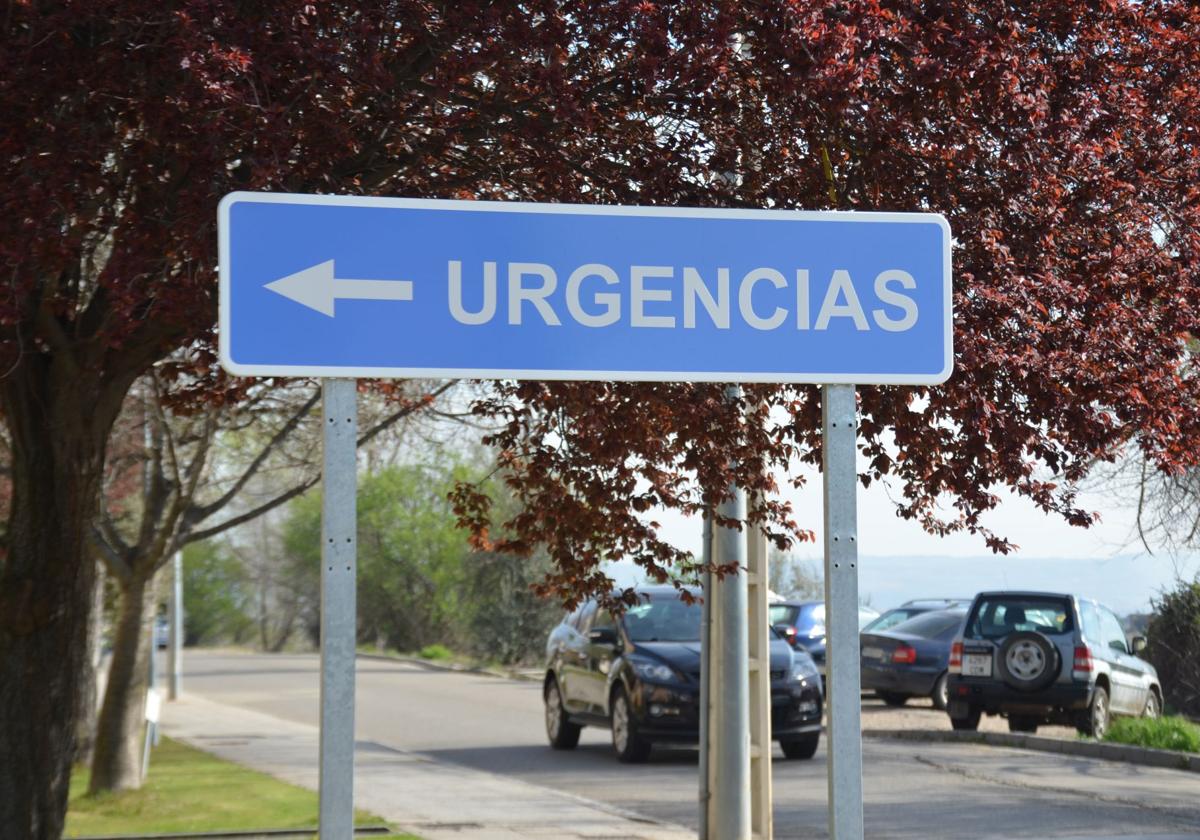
{"x":117,"y":764}
{"x":58,"y":428}
{"x":85,"y":711}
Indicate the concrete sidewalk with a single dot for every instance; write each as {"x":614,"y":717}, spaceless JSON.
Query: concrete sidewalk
{"x":431,"y":799}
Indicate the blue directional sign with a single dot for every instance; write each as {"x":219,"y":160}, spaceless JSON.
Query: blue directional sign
{"x":335,"y":286}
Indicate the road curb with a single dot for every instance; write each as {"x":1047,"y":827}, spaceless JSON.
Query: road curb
{"x":258,"y":834}
{"x":1062,"y":746}
{"x":433,"y":665}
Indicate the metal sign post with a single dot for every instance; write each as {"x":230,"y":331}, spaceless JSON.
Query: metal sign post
{"x":844,"y":742}
{"x":339,"y":419}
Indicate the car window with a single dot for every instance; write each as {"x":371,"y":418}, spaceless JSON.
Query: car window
{"x":781,"y":614}
{"x":890,"y":619}
{"x":1090,"y":616}
{"x":1112,"y":632}
{"x":811,"y":618}
{"x":665,"y":618}
{"x":930,"y":625}
{"x":998,"y":616}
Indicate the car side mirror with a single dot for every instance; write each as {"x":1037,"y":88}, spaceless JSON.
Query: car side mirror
{"x":602,"y":636}
{"x":1138,"y":644}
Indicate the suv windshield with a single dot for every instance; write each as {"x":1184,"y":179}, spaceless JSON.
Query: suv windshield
{"x":664,"y":619}
{"x":998,"y":616}
{"x":805,"y":617}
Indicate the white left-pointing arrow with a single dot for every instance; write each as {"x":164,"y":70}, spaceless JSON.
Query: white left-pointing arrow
{"x":318,"y":288}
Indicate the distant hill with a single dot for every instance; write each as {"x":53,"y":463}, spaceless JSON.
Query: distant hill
{"x":1125,"y":583}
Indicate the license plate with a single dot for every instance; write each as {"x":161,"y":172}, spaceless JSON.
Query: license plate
{"x":872,"y":653}
{"x":977,"y":665}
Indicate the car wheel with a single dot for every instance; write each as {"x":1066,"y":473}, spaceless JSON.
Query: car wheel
{"x":630,"y":747}
{"x":892,"y":698}
{"x":1022,"y":723}
{"x":941,"y":692}
{"x":969,"y":722}
{"x":1028,"y":661}
{"x":1095,"y":720}
{"x":1153,"y":706}
{"x":802,"y":747}
{"x":563,"y":734}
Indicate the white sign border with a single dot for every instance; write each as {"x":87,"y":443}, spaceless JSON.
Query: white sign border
{"x":337,"y":371}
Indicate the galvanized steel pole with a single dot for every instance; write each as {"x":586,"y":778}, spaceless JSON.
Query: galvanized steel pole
{"x":838,"y":444}
{"x":339,"y":419}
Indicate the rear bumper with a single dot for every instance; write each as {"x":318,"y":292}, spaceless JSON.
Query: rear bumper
{"x":995,"y":697}
{"x":912,"y":681}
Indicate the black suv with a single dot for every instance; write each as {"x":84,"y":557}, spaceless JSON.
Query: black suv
{"x":1039,"y":657}
{"x":639,"y":675}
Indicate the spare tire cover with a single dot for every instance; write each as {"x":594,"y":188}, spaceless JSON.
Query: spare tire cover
{"x":1028,"y":661}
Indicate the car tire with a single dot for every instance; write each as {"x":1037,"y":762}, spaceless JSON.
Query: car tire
{"x":893,"y":698}
{"x":1094,"y":721}
{"x":941,"y":692}
{"x":561,"y":732}
{"x":1022,"y":723}
{"x":1153,"y":708}
{"x":1028,"y":661}
{"x":629,"y":746}
{"x":803,"y":747}
{"x":970,"y":723}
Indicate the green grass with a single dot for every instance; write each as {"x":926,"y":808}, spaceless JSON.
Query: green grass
{"x":1165,"y":733}
{"x":436,"y":652}
{"x":190,"y":790}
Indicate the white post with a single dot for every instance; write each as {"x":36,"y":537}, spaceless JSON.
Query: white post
{"x":175,"y":643}
{"x":729,"y":735}
{"x":338,"y":522}
{"x":838,"y":429}
{"x":759,"y":638}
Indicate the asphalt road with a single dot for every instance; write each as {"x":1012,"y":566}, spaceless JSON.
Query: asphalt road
{"x":911,"y":790}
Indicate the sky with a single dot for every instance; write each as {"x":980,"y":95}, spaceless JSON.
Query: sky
{"x":900,"y":561}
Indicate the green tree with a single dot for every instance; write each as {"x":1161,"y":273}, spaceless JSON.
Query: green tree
{"x":420,"y":581}
{"x":411,"y":554}
{"x":1173,"y":648}
{"x":217,"y":596}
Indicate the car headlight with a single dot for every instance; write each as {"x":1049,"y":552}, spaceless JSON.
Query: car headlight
{"x":804,"y":669}
{"x":656,"y":671}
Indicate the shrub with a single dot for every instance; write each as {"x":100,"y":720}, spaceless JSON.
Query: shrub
{"x":1166,"y":733}
{"x":1174,"y":646}
{"x":435,"y":652}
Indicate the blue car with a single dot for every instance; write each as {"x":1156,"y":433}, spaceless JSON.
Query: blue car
{"x":911,"y":659}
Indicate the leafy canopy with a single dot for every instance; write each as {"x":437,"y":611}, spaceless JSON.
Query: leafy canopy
{"x":1059,"y":139}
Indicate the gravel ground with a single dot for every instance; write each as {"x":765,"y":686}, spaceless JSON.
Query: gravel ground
{"x":920,"y":714}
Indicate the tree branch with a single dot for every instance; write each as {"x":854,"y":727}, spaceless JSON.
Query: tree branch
{"x":304,"y":486}
{"x":199,"y":513}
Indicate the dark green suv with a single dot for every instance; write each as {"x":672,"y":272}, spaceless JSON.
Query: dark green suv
{"x":1039,"y":658}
